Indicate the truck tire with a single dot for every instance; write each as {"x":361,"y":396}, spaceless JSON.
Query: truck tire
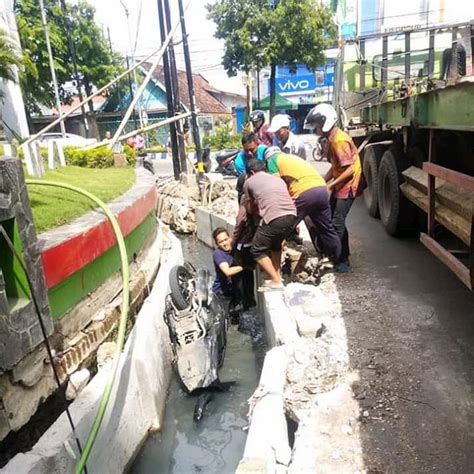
{"x":179,"y":281}
{"x":397,"y":213}
{"x":371,"y":162}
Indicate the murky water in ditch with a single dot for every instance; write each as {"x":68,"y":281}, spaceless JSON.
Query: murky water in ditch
{"x":216,"y":444}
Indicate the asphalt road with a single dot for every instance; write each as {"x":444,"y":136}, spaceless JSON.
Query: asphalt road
{"x":410,"y":327}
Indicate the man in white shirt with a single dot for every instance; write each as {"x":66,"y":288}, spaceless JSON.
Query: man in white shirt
{"x":286,"y":140}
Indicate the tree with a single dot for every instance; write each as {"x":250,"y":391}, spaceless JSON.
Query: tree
{"x":95,"y":62}
{"x":10,"y":57}
{"x":97,"y":65}
{"x":36,"y":79}
{"x":259,"y":33}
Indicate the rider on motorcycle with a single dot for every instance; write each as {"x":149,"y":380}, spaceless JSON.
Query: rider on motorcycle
{"x":260,"y":128}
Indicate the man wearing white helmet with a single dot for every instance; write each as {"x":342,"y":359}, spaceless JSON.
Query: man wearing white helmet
{"x":344,"y":178}
{"x":286,"y":140}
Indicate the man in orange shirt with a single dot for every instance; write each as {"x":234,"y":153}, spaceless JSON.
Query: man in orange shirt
{"x":344,"y":178}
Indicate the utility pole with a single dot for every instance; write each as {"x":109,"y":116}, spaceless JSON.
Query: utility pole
{"x":192,"y":100}
{"x":130,"y":87}
{"x":72,"y":50}
{"x":169,"y":94}
{"x":176,"y":97}
{"x":112,"y":54}
{"x":51,"y":66}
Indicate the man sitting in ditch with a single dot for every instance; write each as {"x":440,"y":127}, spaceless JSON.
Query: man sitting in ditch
{"x":226,"y":282}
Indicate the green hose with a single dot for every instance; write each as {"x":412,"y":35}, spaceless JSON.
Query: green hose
{"x":123,"y":316}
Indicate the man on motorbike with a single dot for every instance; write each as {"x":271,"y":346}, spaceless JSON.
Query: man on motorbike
{"x":260,"y":128}
{"x":250,"y":149}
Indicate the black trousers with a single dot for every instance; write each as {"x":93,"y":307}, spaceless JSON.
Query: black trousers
{"x":340,"y":209}
{"x":246,"y":277}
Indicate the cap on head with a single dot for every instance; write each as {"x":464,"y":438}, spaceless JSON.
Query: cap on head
{"x":323,"y":115}
{"x":279,"y":121}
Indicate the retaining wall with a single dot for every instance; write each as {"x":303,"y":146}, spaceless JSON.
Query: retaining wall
{"x":74,"y":268}
{"x":138,"y":398}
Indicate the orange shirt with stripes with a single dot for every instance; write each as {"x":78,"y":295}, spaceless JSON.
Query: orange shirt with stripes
{"x":343,"y":153}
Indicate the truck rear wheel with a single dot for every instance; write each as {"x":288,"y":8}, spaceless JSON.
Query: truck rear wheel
{"x":396,"y":212}
{"x":372,"y":157}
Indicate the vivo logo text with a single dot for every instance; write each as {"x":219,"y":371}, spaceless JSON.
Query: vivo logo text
{"x":289,"y":85}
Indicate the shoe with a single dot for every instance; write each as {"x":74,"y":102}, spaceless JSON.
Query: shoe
{"x":342,"y":267}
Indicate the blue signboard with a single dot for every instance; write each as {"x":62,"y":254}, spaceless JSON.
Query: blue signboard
{"x":296,"y":84}
{"x":304,"y":81}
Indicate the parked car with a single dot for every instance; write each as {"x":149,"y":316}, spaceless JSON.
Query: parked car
{"x":70,"y":139}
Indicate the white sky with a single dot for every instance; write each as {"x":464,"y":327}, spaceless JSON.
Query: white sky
{"x":206,"y":51}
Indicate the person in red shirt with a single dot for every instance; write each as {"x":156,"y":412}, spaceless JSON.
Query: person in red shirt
{"x":344,"y":178}
{"x":260,"y":128}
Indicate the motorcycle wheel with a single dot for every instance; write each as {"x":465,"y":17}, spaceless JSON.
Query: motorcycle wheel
{"x":179,"y":286}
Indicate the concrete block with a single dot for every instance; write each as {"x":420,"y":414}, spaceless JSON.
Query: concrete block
{"x":30,"y":369}
{"x":267,"y":441}
{"x":77,"y":381}
{"x":279,"y":323}
{"x":328,"y":439}
{"x":218,"y":221}
{"x":204,"y":226}
{"x":21,"y":403}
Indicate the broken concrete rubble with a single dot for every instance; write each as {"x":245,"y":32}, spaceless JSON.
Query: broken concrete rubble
{"x":177,"y":202}
{"x":317,"y":394}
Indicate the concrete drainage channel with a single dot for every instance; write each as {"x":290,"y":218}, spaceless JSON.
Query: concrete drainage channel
{"x":303,"y":416}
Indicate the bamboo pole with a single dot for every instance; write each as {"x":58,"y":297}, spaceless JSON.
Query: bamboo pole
{"x":140,"y":130}
{"x":142,"y":87}
{"x":159,"y":52}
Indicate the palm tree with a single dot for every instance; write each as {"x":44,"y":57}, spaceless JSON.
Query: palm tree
{"x":10,"y":56}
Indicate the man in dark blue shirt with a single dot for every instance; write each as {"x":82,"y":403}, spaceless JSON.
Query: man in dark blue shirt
{"x":224,"y":284}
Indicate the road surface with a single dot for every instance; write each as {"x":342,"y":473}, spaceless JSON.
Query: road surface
{"x":410,"y":327}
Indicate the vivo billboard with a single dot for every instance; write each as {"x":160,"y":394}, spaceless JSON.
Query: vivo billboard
{"x":304,"y":81}
{"x":296,"y":84}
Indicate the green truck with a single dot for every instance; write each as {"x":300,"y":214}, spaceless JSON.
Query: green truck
{"x":407,"y":99}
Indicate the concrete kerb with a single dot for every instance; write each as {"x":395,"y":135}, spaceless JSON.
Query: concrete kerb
{"x":207,"y":221}
{"x":138,"y":398}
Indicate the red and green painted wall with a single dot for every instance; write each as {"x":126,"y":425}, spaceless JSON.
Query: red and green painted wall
{"x":81,"y":263}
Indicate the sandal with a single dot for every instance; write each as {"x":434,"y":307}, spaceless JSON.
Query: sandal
{"x":270,"y":287}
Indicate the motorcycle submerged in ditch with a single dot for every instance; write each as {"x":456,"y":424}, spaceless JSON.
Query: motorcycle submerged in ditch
{"x":197,"y":324}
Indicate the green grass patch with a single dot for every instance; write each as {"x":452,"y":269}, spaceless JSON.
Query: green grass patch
{"x":53,"y":207}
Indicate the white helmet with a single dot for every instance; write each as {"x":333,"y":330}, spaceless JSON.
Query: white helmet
{"x":279,"y":121}
{"x":323,"y":115}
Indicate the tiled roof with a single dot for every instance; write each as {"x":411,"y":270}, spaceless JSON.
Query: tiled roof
{"x":205,"y":101}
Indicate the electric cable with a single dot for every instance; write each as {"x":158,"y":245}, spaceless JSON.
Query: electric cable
{"x":81,"y":466}
{"x":10,"y":244}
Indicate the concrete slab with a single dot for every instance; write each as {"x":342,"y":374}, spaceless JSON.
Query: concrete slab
{"x":267,"y":443}
{"x":204,"y":226}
